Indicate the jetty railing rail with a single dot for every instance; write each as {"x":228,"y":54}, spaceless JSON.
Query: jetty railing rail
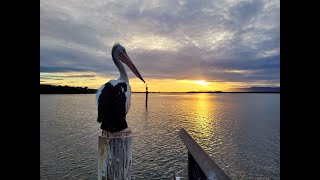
{"x":200,"y":164}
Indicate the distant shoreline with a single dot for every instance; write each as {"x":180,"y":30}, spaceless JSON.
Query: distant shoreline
{"x":180,"y":93}
{"x":235,"y":92}
{"x":50,"y":89}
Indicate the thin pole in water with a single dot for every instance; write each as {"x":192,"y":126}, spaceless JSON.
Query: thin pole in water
{"x":147,"y":96}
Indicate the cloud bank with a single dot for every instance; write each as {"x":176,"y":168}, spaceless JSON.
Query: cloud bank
{"x":221,"y":41}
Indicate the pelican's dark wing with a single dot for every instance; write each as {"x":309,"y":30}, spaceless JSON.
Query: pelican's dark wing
{"x":112,"y":107}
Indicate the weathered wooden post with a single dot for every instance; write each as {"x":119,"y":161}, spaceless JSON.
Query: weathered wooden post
{"x":175,"y":176}
{"x":115,"y":155}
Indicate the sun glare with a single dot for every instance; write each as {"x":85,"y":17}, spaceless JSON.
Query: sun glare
{"x":202,"y":82}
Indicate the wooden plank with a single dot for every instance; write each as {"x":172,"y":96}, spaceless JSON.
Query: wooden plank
{"x":115,"y":155}
{"x":202,"y":159}
{"x":194,"y":170}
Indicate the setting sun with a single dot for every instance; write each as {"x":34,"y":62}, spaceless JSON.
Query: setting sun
{"x":202,"y":82}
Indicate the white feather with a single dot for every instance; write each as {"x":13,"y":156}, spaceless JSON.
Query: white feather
{"x":98,"y":93}
{"x":114,"y":82}
{"x":128,"y":96}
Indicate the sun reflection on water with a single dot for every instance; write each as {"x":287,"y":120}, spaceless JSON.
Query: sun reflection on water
{"x":202,"y":116}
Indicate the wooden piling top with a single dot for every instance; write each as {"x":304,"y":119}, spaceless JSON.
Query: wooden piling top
{"x":125,"y":132}
{"x":115,"y":155}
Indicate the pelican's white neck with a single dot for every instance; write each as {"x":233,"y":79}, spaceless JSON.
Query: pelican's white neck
{"x":122,"y":70}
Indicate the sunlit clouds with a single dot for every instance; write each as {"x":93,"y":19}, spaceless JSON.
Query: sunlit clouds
{"x":202,"y":82}
{"x":152,"y":42}
{"x":174,"y":44}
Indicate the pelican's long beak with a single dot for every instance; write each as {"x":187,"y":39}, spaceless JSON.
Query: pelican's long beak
{"x":125,"y":59}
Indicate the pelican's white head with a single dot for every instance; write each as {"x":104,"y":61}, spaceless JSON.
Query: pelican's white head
{"x":119,"y":53}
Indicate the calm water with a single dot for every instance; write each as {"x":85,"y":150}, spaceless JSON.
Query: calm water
{"x":241,"y":132}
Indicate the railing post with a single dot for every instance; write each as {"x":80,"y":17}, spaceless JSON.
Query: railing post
{"x":194,"y":171}
{"x":115,"y":155}
{"x":200,"y":164}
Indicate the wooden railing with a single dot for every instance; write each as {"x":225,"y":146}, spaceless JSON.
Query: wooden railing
{"x":200,"y":164}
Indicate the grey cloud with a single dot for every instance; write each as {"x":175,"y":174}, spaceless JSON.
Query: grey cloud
{"x":246,"y":63}
{"x":68,"y":76}
{"x":244,"y":11}
{"x":60,"y":69}
{"x":79,"y":36}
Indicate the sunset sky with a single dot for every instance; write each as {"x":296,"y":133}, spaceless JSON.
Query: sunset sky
{"x":176,"y":45}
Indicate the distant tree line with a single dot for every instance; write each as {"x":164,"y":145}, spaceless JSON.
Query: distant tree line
{"x":51,"y":89}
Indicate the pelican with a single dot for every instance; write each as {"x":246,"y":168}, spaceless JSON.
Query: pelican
{"x":114,"y":97}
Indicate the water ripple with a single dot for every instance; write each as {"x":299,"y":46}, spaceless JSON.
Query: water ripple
{"x":241,"y":132}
